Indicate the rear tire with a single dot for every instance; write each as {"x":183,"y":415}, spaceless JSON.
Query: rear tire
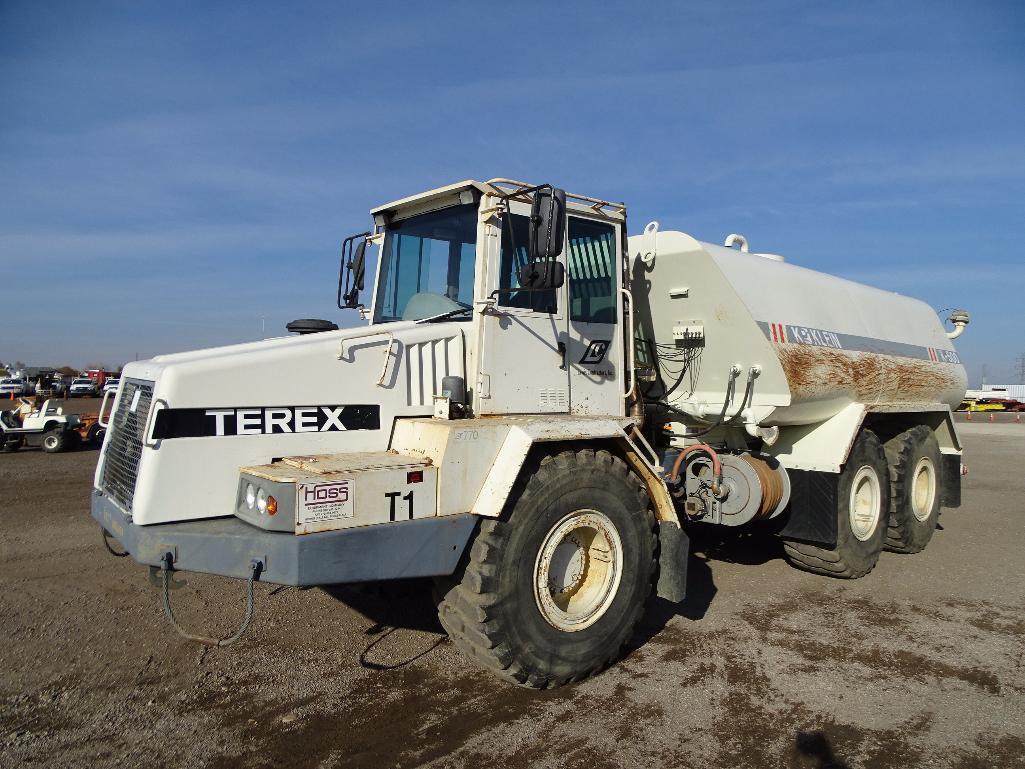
{"x":550,"y":592}
{"x":11,"y":445}
{"x":54,"y":440}
{"x":94,"y":436}
{"x":915,"y":466}
{"x":863,"y":503}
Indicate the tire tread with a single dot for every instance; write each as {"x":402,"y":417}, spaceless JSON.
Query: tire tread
{"x":829,"y":561}
{"x":464,"y":605}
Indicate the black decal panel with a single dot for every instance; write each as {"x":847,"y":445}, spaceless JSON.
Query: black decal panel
{"x":596,"y":352}
{"x":263,"y":420}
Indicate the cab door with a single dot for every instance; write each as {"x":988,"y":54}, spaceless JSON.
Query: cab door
{"x":524,"y":343}
{"x":595,"y":316}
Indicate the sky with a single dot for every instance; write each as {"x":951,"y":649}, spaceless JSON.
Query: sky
{"x":180,"y":175}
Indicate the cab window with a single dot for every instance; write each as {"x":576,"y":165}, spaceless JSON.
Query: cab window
{"x":427,"y":265}
{"x":518,"y":230}
{"x":592,"y":271}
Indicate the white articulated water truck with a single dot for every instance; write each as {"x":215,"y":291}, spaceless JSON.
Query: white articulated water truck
{"x":536,"y":412}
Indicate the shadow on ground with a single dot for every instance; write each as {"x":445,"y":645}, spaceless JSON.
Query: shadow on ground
{"x":409,"y":604}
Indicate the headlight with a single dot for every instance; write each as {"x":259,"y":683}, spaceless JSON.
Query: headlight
{"x":250,"y":496}
{"x":261,"y":501}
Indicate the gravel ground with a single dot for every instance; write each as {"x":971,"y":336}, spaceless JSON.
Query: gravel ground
{"x":918,"y":664}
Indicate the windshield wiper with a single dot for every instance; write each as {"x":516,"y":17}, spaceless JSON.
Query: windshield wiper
{"x":446,"y":315}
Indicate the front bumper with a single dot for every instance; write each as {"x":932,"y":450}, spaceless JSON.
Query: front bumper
{"x":424,"y":547}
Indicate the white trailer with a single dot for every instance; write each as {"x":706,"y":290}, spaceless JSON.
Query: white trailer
{"x":536,"y":412}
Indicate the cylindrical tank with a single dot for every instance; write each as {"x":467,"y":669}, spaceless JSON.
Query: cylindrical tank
{"x":817,"y":342}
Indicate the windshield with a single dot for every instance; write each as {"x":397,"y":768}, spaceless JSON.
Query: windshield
{"x":82,"y":381}
{"x":427,"y":265}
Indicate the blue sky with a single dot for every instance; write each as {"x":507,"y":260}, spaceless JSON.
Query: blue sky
{"x":175,"y":175}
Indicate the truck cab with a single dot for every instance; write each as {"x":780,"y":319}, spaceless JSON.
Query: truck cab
{"x":462,"y":247}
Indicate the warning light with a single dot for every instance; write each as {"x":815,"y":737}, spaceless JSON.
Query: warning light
{"x":415,"y":476}
{"x":272,"y":505}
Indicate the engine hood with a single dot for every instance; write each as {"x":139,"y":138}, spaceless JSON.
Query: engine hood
{"x":209,"y":412}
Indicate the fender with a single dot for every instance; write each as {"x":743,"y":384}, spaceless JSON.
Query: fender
{"x":480,"y":459}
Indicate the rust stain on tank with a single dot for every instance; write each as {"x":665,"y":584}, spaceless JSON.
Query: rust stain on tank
{"x":820,"y":372}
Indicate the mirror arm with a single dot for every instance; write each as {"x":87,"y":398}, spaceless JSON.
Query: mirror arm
{"x":498,"y":291}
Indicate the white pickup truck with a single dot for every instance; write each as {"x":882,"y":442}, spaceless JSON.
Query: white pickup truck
{"x":11,"y":386}
{"x":83,"y":387}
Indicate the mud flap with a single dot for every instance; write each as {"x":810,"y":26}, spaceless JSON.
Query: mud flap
{"x":950,"y":479}
{"x":674,"y":551}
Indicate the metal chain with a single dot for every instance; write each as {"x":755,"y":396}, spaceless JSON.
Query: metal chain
{"x":165,"y":574}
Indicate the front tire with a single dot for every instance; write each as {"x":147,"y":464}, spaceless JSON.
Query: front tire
{"x":915,"y":467}
{"x":54,"y":440}
{"x":551,"y":591}
{"x":863,"y":504}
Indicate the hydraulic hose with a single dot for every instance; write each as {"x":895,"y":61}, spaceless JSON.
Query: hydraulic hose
{"x":704,"y":448}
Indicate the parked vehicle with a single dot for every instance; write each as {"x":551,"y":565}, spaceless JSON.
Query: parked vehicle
{"x":1006,"y":404}
{"x":46,"y":422}
{"x":111,"y":386}
{"x":83,"y":387}
{"x":538,"y":412}
{"x":98,"y":375}
{"x":46,"y":384}
{"x":986,"y":404}
{"x":11,"y":386}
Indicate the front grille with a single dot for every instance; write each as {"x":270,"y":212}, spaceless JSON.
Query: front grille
{"x":124,"y":445}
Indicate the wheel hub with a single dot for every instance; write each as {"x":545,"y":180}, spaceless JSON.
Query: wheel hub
{"x":865,"y":504}
{"x":923,"y":489}
{"x":577,"y":570}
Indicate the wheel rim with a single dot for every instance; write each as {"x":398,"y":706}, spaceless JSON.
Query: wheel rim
{"x":866,"y":503}
{"x":50,"y":442}
{"x":577,"y":570}
{"x":923,"y":489}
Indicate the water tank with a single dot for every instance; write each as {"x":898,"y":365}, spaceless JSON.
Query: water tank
{"x":820,"y":342}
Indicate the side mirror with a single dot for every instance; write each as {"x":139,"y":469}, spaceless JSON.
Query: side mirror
{"x":539,"y":276}
{"x":352,"y":271}
{"x":547,"y":223}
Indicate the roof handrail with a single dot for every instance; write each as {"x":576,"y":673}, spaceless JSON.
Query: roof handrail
{"x":595,"y":204}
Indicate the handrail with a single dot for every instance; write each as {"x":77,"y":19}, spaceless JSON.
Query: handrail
{"x":409,"y":336}
{"x":147,"y":430}
{"x":103,"y":405}
{"x":596,"y":203}
{"x":362,"y":335}
{"x":387,"y":360}
{"x":628,"y":343}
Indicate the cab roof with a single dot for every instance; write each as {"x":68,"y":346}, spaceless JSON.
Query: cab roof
{"x":499,"y":186}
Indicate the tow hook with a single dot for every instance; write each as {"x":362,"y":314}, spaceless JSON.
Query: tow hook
{"x":256,"y":566}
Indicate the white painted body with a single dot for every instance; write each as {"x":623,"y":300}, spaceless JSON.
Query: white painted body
{"x":522,"y":387}
{"x":189,"y":478}
{"x":827,"y":350}
{"x":729,"y":292}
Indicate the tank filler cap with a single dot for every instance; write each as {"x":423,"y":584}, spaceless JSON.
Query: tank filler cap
{"x":735,"y":238}
{"x":960,"y":319}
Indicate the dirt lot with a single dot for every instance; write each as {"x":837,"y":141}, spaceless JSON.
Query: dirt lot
{"x":919,"y":664}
